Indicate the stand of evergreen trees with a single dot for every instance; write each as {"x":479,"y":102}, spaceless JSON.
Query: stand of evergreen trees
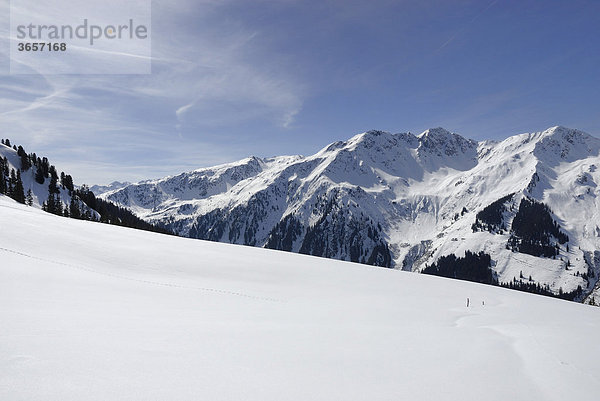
{"x":11,"y":184}
{"x":536,"y":288}
{"x":534,"y":231}
{"x":83,"y":204}
{"x":476,"y":267}
{"x":491,"y":218}
{"x":113,"y":214}
{"x":472,"y":267}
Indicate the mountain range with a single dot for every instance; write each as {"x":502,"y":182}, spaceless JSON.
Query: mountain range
{"x":404,"y":201}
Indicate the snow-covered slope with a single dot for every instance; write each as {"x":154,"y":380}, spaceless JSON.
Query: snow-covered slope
{"x":395,"y":200}
{"x":99,"y":312}
{"x":39,"y":191}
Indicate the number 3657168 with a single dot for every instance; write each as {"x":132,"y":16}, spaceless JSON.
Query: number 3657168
{"x":41,"y":46}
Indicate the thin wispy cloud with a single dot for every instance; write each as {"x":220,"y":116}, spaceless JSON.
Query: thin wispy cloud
{"x":231,"y":78}
{"x":200,"y":70}
{"x":464,"y":28}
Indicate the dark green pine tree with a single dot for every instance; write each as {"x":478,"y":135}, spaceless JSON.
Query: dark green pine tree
{"x":74,"y":209}
{"x":11,"y":182}
{"x":54,"y":204}
{"x":3,"y":177}
{"x":53,"y":186}
{"x":17,"y":191}
{"x":52,"y":172}
{"x":44,"y":165}
{"x":68,"y":183}
{"x":29,"y":198}
{"x":25,"y":162}
{"x":39,"y":175}
{"x":5,"y":172}
{"x":58,"y":206}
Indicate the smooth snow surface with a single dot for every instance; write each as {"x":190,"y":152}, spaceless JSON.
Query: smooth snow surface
{"x":96,"y":312}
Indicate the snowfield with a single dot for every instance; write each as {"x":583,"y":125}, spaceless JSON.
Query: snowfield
{"x":96,"y":312}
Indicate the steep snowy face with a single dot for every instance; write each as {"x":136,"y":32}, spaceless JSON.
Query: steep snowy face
{"x":37,"y":188}
{"x":440,"y":148}
{"x":396,"y":200}
{"x":365,"y":158}
{"x":151,"y":196}
{"x":560,"y":144}
{"x":358,"y":160}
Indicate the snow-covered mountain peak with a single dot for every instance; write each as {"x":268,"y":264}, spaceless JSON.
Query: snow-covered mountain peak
{"x":565,"y":134}
{"x":558,"y":144}
{"x":442,"y":139}
{"x":248,"y":162}
{"x":113,"y":186}
{"x":434,"y":141}
{"x":438,"y":132}
{"x":439,"y":148}
{"x":375,"y":133}
{"x":370,"y":139}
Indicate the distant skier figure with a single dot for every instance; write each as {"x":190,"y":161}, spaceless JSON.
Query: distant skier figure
{"x":467,"y":302}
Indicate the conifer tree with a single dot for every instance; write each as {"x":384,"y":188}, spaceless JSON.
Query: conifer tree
{"x":45,"y":166}
{"x":2,"y":177}
{"x":53,"y":186}
{"x":54,"y":204}
{"x":11,"y":183}
{"x":68,"y":183}
{"x":39,"y":175}
{"x":25,"y":162}
{"x":18,"y":190}
{"x":5,"y":172}
{"x":74,"y":209}
{"x":52,"y":172}
{"x":29,"y":198}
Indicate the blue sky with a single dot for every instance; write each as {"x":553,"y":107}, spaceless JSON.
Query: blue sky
{"x":235,"y":78}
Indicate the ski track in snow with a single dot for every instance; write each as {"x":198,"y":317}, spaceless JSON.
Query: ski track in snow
{"x":118,"y":276}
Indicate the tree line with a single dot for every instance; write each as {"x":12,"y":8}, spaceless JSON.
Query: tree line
{"x":476,"y":267}
{"x":82,"y":203}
